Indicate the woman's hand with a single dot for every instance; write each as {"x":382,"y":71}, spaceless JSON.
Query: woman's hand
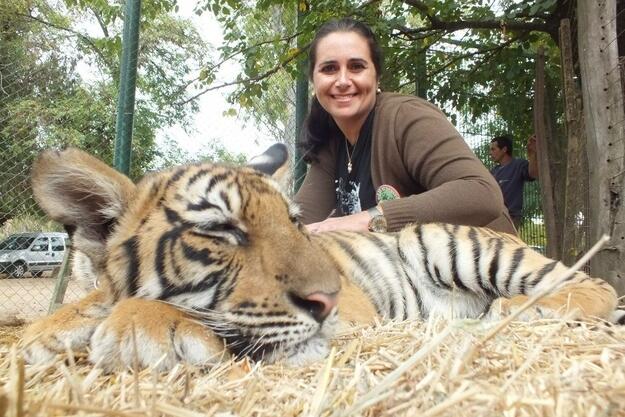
{"x":358,"y":222}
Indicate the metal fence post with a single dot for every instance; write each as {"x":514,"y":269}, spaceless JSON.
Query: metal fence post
{"x":123,"y":128}
{"x":421,"y":72}
{"x":62,"y":278}
{"x":127,"y":84}
{"x":301,"y":105}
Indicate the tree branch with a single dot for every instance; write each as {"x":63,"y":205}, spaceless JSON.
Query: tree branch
{"x":437,"y":24}
{"x":98,"y":17}
{"x":488,"y":51}
{"x":246,"y":80}
{"x":228,"y":58}
{"x":287,"y":39}
{"x":260,"y":76}
{"x":423,"y":8}
{"x":79,"y":35}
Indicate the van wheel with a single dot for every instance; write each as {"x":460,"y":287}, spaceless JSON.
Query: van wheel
{"x":18,"y":270}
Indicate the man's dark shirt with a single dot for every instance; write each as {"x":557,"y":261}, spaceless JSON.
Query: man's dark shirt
{"x":511,"y":178}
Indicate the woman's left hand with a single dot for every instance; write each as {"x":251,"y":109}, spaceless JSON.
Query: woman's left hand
{"x":358,"y":222}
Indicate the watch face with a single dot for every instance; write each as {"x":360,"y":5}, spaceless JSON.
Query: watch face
{"x":377,"y":224}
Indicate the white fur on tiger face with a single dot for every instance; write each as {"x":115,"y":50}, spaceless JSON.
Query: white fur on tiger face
{"x":202,"y":258}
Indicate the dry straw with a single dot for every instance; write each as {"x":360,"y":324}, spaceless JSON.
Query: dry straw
{"x":432,"y":368}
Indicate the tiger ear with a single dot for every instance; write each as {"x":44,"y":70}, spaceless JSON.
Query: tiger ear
{"x":274,"y":161}
{"x":81,"y":192}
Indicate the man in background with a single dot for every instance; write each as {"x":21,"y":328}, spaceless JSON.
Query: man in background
{"x":511,"y":173}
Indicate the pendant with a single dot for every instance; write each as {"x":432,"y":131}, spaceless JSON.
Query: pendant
{"x":349,"y":167}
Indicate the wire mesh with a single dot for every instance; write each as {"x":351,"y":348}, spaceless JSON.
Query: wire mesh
{"x":33,"y":79}
{"x":478,"y":135}
{"x":35,"y":82}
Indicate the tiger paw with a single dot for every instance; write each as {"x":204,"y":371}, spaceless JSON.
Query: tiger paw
{"x":70,"y":327}
{"x":148,"y":333}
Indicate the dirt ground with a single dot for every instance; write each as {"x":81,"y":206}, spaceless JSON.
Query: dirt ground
{"x":26,"y":299}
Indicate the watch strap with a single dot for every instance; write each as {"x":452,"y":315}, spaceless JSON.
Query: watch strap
{"x":374,"y":211}
{"x":377,"y":223}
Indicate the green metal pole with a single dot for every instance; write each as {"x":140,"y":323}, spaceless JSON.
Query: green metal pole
{"x":421,"y":76}
{"x":127,"y":85}
{"x":301,"y":106}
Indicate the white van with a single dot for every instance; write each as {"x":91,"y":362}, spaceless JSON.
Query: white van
{"x":34,"y":252}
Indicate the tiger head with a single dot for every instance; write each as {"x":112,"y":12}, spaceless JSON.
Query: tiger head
{"x":219,"y":241}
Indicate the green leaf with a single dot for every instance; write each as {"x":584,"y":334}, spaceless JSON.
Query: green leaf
{"x":230,"y":112}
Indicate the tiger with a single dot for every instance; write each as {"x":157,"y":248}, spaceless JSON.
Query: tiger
{"x":204,"y":261}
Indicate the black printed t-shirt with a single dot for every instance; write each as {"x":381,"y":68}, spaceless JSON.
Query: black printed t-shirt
{"x":354,"y":191}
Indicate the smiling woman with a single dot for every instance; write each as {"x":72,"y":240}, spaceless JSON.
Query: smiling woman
{"x":345,"y":81}
{"x":359,"y":140}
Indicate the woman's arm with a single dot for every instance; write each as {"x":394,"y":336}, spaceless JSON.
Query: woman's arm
{"x":459,"y":189}
{"x":316,"y":197}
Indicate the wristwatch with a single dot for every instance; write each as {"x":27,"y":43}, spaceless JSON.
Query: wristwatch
{"x":377,"y":223}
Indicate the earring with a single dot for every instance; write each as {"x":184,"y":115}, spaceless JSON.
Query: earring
{"x":379,"y":90}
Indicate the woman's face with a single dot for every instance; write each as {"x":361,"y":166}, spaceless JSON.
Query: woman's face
{"x":344,"y":78}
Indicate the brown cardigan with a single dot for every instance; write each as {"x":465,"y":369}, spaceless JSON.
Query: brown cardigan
{"x":419,"y":152}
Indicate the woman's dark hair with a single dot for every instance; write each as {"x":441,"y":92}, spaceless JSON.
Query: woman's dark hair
{"x":319,"y":127}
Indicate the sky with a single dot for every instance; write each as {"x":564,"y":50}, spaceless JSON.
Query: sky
{"x":209,"y":122}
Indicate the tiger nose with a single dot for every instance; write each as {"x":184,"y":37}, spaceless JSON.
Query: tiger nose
{"x":318,"y":304}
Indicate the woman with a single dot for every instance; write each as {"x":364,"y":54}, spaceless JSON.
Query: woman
{"x":357,"y":140}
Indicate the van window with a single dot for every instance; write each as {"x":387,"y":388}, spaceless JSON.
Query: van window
{"x":16,"y":243}
{"x":56,"y":244}
{"x":40,"y":245}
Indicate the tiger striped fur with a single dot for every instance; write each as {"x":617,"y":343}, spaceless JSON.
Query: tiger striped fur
{"x":201,"y":257}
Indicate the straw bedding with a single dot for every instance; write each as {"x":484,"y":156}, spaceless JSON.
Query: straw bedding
{"x":435,"y":368}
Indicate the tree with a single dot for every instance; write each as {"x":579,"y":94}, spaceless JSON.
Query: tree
{"x":171,"y":48}
{"x":45,"y":102}
{"x":34,"y":76}
{"x":462,"y":71}
{"x":273,"y":105}
{"x":604,"y":115}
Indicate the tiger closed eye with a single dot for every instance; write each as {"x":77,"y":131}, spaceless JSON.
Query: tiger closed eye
{"x":208,"y":228}
{"x":224,"y":227}
{"x":225,"y":232}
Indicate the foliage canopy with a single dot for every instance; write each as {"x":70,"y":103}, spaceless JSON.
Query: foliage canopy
{"x":474,"y":55}
{"x":58,"y":83}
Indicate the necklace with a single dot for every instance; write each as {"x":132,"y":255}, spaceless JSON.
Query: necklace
{"x":349,"y":156}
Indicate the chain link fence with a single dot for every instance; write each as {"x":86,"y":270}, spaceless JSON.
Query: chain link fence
{"x":34,"y":115}
{"x":478,"y":134}
{"x":29,"y":101}
{"x":30,"y":296}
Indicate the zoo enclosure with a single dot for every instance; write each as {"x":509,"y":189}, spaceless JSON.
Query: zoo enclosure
{"x":23,"y":136}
